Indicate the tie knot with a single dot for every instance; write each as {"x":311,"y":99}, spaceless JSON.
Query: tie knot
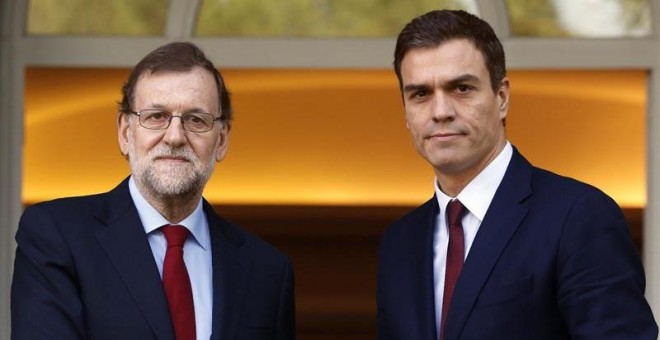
{"x":455,"y":211}
{"x":175,"y":235}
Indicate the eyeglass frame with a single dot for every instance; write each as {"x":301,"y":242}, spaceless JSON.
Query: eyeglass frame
{"x":171,"y":116}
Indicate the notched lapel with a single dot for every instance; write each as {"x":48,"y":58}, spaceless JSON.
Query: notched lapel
{"x":502,"y":219}
{"x":231,"y":272}
{"x":126,"y":244}
{"x":420,"y":259}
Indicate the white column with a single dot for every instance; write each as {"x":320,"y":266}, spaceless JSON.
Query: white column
{"x":651,"y":229}
{"x":11,"y":136}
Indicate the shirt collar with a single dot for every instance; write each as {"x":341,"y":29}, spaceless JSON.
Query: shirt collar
{"x":478,"y":194}
{"x":151,"y":219}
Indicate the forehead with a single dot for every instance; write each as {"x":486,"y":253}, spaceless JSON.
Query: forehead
{"x":445,"y":61}
{"x":166,"y":87}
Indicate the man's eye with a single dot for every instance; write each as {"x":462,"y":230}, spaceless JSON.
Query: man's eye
{"x":194,"y":119}
{"x":463,"y":88}
{"x":157,"y":116}
{"x":418,"y":94}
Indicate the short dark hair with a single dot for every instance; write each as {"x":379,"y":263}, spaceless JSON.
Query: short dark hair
{"x":176,"y":57}
{"x":439,"y":26}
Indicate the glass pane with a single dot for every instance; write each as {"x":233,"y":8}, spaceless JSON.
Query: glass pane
{"x":96,"y":17}
{"x":580,"y":18}
{"x":314,"y":18}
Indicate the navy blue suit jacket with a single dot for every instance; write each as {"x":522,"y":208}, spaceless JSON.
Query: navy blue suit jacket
{"x":552,"y":259}
{"x":84,"y":270}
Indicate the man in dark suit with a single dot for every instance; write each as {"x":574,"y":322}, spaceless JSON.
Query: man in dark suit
{"x":151,"y":259}
{"x":503,"y":250}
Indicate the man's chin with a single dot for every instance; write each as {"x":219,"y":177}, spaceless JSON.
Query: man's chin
{"x":447,"y":166}
{"x":172,"y":185}
{"x":167,"y":190}
{"x":172,"y":168}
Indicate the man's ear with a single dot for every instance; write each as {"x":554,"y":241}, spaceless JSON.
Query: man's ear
{"x":223,"y":143}
{"x":122,"y":133}
{"x":503,"y":95}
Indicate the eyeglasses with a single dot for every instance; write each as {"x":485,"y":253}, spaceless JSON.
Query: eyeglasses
{"x":157,"y":119}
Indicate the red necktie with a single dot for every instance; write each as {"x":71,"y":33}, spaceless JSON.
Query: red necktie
{"x":177,"y":283}
{"x":455,"y":256}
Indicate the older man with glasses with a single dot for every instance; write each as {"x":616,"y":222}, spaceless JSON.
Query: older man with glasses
{"x":151,"y":259}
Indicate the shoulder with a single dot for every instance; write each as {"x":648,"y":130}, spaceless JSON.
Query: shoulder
{"x":566,"y":206}
{"x":62,"y":213}
{"x":83,"y":207}
{"x":412,"y":228}
{"x":64,"y":206}
{"x":47,"y":231}
{"x":546,"y":186}
{"x":567,"y":190}
{"x":417,"y":216}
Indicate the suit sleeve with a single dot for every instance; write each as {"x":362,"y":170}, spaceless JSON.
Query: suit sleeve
{"x":382,"y":324}
{"x":600,"y":277}
{"x":286,"y":323}
{"x":45,"y":303}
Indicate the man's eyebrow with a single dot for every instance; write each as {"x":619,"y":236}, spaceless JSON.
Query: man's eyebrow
{"x":157,"y":106}
{"x":195,"y":109}
{"x":415,"y":87}
{"x":464,"y":78}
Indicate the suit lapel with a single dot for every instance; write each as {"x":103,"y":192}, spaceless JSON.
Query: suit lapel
{"x":126,"y":244}
{"x":420,"y":247}
{"x":231,"y":270}
{"x":502,"y":219}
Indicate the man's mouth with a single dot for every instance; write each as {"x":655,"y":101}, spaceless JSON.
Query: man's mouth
{"x":445,"y":135}
{"x":178,"y":159}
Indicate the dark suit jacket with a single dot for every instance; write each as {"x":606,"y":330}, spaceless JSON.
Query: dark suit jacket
{"x":552,"y":259}
{"x":84,"y":270}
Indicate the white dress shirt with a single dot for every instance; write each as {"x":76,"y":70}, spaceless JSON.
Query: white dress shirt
{"x":196,"y":254}
{"x":476,"y":198}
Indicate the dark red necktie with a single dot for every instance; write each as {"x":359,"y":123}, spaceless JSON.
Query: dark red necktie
{"x":177,"y":283}
{"x":455,"y":256}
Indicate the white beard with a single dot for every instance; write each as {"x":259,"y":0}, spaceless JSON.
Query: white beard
{"x":169,"y":180}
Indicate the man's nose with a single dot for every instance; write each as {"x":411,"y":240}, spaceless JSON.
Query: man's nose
{"x":442,"y":108}
{"x":175,"y":134}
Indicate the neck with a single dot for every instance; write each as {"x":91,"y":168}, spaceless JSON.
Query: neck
{"x":174,"y":208}
{"x":452,"y":183}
